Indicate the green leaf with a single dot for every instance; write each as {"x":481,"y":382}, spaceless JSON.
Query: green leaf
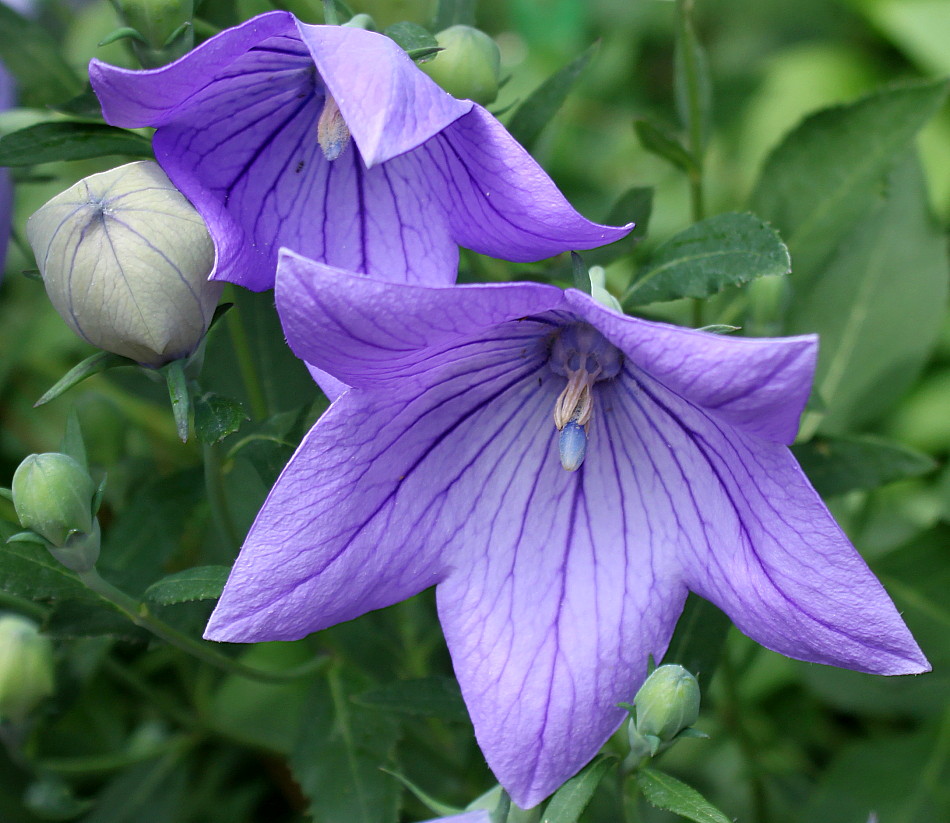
{"x":662,"y":142}
{"x":726,"y":250}
{"x":698,"y":639}
{"x":879,"y":304}
{"x":411,"y":36}
{"x":453,"y":13}
{"x":84,"y":618}
{"x":818,"y":182}
{"x":337,"y":758}
{"x":94,"y":364}
{"x":216,"y":417}
{"x":199,"y":583}
{"x":536,"y":112}
{"x":837,"y":465}
{"x":50,"y":142}
{"x":633,"y":206}
{"x":672,"y":795}
{"x":29,"y":570}
{"x":35,"y":60}
{"x":424,"y":697}
{"x":901,"y":777}
{"x":572,"y":798}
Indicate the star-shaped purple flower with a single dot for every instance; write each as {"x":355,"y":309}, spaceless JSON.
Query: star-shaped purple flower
{"x":330,"y":141}
{"x":441,"y":466}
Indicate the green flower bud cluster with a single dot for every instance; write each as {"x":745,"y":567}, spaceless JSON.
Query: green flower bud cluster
{"x":55,"y":498}
{"x":469,"y":66}
{"x":26,"y":667}
{"x":664,"y":709}
{"x":125,"y":260}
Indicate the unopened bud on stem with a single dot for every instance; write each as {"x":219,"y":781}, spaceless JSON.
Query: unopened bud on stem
{"x":125,"y":259}
{"x":469,"y":65}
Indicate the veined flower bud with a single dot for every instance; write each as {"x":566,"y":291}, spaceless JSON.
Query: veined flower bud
{"x":469,"y":65}
{"x":52,"y":495}
{"x":666,"y":705}
{"x":125,"y":259}
{"x":26,"y":667}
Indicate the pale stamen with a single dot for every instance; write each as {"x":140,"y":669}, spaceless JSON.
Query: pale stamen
{"x":333,"y":134}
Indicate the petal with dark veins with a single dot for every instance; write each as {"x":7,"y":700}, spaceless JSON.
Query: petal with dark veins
{"x":498,"y":199}
{"x":757,"y":384}
{"x":366,"y":512}
{"x":361,"y":329}
{"x":756,"y":539}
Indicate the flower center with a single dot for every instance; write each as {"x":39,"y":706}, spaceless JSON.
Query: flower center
{"x":582,"y":355}
{"x":333,"y":134}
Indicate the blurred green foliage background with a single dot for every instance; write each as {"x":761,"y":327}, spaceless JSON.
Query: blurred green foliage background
{"x":790,"y":742}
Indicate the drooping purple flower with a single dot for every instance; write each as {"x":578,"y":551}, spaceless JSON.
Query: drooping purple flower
{"x":330,"y":141}
{"x":441,"y":466}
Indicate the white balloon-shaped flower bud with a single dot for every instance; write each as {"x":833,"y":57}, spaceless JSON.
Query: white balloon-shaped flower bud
{"x":125,"y":259}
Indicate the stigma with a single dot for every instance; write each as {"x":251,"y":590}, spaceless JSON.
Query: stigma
{"x":333,"y":134}
{"x":581,"y":354}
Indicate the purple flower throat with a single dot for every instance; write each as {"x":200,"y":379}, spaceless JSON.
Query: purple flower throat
{"x":580,"y":354}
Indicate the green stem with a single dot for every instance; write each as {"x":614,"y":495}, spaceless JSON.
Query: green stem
{"x":217,"y":498}
{"x":694,"y":125}
{"x":140,"y":615}
{"x":732,"y":718}
{"x":246,"y":365}
{"x":330,"y":17}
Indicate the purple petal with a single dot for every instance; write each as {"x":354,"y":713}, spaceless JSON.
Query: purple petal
{"x":755,"y":539}
{"x":477,"y":816}
{"x":328,"y":384}
{"x":389,"y":105}
{"x":568,"y":583}
{"x":361,"y":329}
{"x":499,"y":201}
{"x":757,"y":384}
{"x":151,"y":98}
{"x":242,"y":147}
{"x":361,"y":517}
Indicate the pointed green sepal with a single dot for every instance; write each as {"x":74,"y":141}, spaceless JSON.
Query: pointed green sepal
{"x":29,"y":537}
{"x":124,"y":33}
{"x":179,"y":395}
{"x":435,"y":806}
{"x":94,"y":364}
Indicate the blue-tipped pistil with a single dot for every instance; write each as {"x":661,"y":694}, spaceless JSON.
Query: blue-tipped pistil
{"x":582,"y":355}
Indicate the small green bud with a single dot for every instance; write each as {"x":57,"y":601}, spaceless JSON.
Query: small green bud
{"x":666,"y":705}
{"x":164,"y":27}
{"x":469,"y":65}
{"x":52,"y":495}
{"x":26,"y":667}
{"x":125,"y":259}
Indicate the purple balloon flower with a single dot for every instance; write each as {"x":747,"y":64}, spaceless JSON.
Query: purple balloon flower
{"x":256,"y":125}
{"x":441,"y":466}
